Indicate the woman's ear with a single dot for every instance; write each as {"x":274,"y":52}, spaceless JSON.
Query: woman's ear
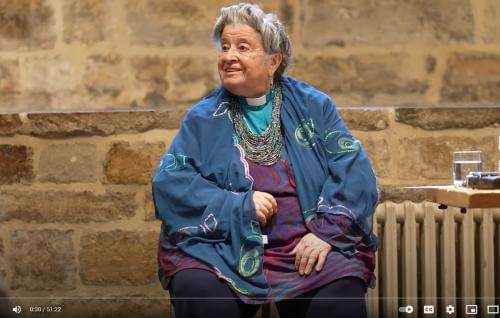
{"x":275,"y":62}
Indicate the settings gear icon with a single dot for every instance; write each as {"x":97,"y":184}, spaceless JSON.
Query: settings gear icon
{"x":450,"y":309}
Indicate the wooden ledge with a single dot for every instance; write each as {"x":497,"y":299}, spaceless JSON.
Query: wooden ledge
{"x":462,"y":197}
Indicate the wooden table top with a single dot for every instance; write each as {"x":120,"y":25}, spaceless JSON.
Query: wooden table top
{"x":462,"y":197}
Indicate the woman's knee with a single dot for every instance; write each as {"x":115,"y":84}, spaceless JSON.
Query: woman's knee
{"x":345,"y":297}
{"x":199,"y":293}
{"x":197,"y":283}
{"x":345,"y":287}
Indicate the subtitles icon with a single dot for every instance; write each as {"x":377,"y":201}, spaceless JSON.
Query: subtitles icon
{"x":428,"y":309}
{"x":471,"y":309}
{"x":17,"y":309}
{"x":406,"y":309}
{"x":493,"y":309}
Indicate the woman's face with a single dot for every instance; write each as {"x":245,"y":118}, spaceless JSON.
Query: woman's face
{"x":245,"y":68}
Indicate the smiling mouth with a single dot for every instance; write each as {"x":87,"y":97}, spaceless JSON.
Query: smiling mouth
{"x":231,"y":70}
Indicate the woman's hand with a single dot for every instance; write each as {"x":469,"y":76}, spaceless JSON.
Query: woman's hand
{"x":310,"y":249}
{"x":265,"y":206}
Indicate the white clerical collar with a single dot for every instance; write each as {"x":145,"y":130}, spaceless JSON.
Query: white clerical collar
{"x":256,"y":101}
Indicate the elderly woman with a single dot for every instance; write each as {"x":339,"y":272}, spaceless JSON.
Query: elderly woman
{"x":264,"y":195}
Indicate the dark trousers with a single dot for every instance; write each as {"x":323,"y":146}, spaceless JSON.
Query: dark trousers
{"x":199,"y":293}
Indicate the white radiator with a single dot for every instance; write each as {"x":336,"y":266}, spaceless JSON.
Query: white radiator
{"x":435,"y":257}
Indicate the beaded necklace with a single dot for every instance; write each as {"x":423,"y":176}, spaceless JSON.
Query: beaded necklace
{"x":263,"y":149}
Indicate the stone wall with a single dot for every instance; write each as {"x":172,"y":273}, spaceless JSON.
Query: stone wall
{"x":76,"y":216}
{"x":103,"y":54}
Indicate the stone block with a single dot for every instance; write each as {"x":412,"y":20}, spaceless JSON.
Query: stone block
{"x":365,"y":119}
{"x":120,"y":258}
{"x":170,"y":23}
{"x":10,"y":124}
{"x":65,"y":163}
{"x":26,"y":25}
{"x":66,"y":206}
{"x":363,"y":79}
{"x":132,"y":163}
{"x":283,"y":9}
{"x":16,"y":164}
{"x":104,"y":79}
{"x":449,"y":118}
{"x":9,"y":76}
{"x":186,"y":22}
{"x":101,"y":123}
{"x":87,"y":21}
{"x":50,"y":74}
{"x":286,"y":15}
{"x":472,"y":77}
{"x":431,"y":157}
{"x":490,"y":22}
{"x":358,"y":22}
{"x":194,"y":78}
{"x":377,"y":150}
{"x":42,"y":260}
{"x":150,"y":81}
{"x":25,"y":101}
{"x":400,"y":194}
{"x":149,"y":209}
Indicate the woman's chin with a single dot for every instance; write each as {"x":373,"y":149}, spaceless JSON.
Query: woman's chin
{"x":234,"y":85}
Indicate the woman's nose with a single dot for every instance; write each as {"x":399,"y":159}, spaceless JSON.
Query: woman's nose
{"x":230,"y":54}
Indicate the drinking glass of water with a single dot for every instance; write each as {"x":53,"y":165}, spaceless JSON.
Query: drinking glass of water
{"x":463,"y":163}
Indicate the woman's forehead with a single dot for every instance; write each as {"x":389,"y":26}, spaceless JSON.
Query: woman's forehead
{"x":240,"y":31}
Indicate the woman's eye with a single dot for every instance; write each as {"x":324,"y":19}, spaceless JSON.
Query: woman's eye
{"x":243,"y":48}
{"x":225,"y":47}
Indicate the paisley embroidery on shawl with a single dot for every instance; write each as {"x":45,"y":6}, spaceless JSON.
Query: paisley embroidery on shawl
{"x":222,"y":109}
{"x":210,"y":224}
{"x":340,"y":142}
{"x":254,"y":225}
{"x":249,"y":262}
{"x":171,"y":162}
{"x":245,"y":164}
{"x":304,"y":134}
{"x":233,"y":284}
{"x":335,"y":209}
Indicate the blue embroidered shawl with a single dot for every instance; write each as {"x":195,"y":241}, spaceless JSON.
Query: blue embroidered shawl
{"x":202,"y":188}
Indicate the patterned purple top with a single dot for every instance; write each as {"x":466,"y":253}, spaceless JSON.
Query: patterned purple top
{"x":284,"y":230}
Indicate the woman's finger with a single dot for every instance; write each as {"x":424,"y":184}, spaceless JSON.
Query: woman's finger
{"x":272,"y":201}
{"x":260,"y":203}
{"x":298,"y":255}
{"x":267,"y":195}
{"x":274,"y":204}
{"x":321,"y":260}
{"x":267,"y":208}
{"x":262,"y":218}
{"x":311,"y":261}
{"x":303,"y":260}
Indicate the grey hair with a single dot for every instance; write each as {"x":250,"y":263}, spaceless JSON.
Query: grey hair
{"x":274,"y":36}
